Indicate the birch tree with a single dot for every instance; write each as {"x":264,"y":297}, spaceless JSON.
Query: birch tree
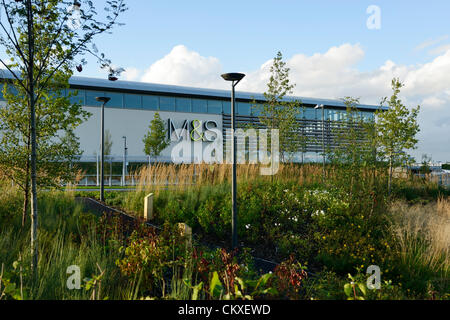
{"x":276,"y":113}
{"x":41,"y":39}
{"x":396,"y":129}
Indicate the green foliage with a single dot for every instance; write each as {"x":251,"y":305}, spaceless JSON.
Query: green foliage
{"x":93,"y":284}
{"x":155,"y":141}
{"x":67,"y":237}
{"x":47,"y":55}
{"x":41,"y":44}
{"x":355,"y":290}
{"x":397,"y":129}
{"x":276,"y":113}
{"x":152,"y":256}
{"x":224,"y":278}
{"x":148,"y":262}
{"x":289,"y":277}
{"x":56,"y":120}
{"x":9,"y":289}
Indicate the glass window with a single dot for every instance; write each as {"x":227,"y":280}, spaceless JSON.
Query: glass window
{"x":116,"y":100}
{"x":214,"y":106}
{"x":226,"y":106}
{"x":310,"y":113}
{"x":167,"y":103}
{"x":79,"y":98}
{"x":11,"y":89}
{"x":150,"y":102}
{"x":243,"y":108}
{"x":90,"y":98}
{"x":367,"y":115}
{"x":133,"y":101}
{"x":332,"y":115}
{"x":183,"y":104}
{"x":199,"y":105}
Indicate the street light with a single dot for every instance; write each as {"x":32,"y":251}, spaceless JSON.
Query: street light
{"x":124,"y":167}
{"x":104,"y":101}
{"x":235,"y":78}
{"x":323,"y":138}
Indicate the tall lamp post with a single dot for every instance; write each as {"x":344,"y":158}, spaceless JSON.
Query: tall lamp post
{"x":323,"y":139}
{"x":124,"y":168}
{"x":104,"y":101}
{"x":235,"y":78}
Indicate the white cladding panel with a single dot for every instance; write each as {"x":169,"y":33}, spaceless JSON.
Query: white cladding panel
{"x":133,"y":124}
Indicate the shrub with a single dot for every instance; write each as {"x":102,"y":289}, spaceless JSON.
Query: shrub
{"x":152,"y":257}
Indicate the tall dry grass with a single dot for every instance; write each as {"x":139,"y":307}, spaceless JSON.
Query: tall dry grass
{"x":423,"y":235}
{"x":185,"y":176}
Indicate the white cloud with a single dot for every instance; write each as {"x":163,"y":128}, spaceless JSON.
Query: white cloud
{"x":183,"y":66}
{"x":439,"y":50}
{"x":430,"y":43}
{"x":131,"y":74}
{"x":334,"y":74}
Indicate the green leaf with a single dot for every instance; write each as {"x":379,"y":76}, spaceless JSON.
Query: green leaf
{"x":241,"y":283}
{"x":216,"y":287}
{"x":196,"y":290}
{"x":17,"y":296}
{"x":348,"y":289}
{"x":363,"y":288}
{"x":270,"y":291}
{"x":265,"y":278}
{"x":10,"y":288}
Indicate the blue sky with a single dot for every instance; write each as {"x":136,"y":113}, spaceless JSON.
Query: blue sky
{"x":326,"y":43}
{"x":243,"y":34}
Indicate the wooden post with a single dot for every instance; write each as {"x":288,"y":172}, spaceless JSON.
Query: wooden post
{"x":186,"y":232}
{"x":148,"y":207}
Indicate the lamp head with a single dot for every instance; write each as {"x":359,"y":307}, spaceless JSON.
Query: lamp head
{"x":103,"y":99}
{"x":234,"y":76}
{"x":319,"y":106}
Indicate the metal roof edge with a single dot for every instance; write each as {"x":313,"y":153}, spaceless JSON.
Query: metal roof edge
{"x":143,"y":87}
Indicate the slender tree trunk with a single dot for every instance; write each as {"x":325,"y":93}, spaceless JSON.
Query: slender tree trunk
{"x":27,"y":188}
{"x":149,"y":172}
{"x":374,"y":169}
{"x":390,"y":175}
{"x":25,"y":202}
{"x":34,"y":204}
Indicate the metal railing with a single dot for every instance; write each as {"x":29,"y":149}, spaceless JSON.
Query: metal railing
{"x":442,"y":179}
{"x":131,"y":180}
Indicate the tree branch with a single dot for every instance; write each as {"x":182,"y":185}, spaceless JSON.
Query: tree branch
{"x":14,"y":75}
{"x":15,"y":41}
